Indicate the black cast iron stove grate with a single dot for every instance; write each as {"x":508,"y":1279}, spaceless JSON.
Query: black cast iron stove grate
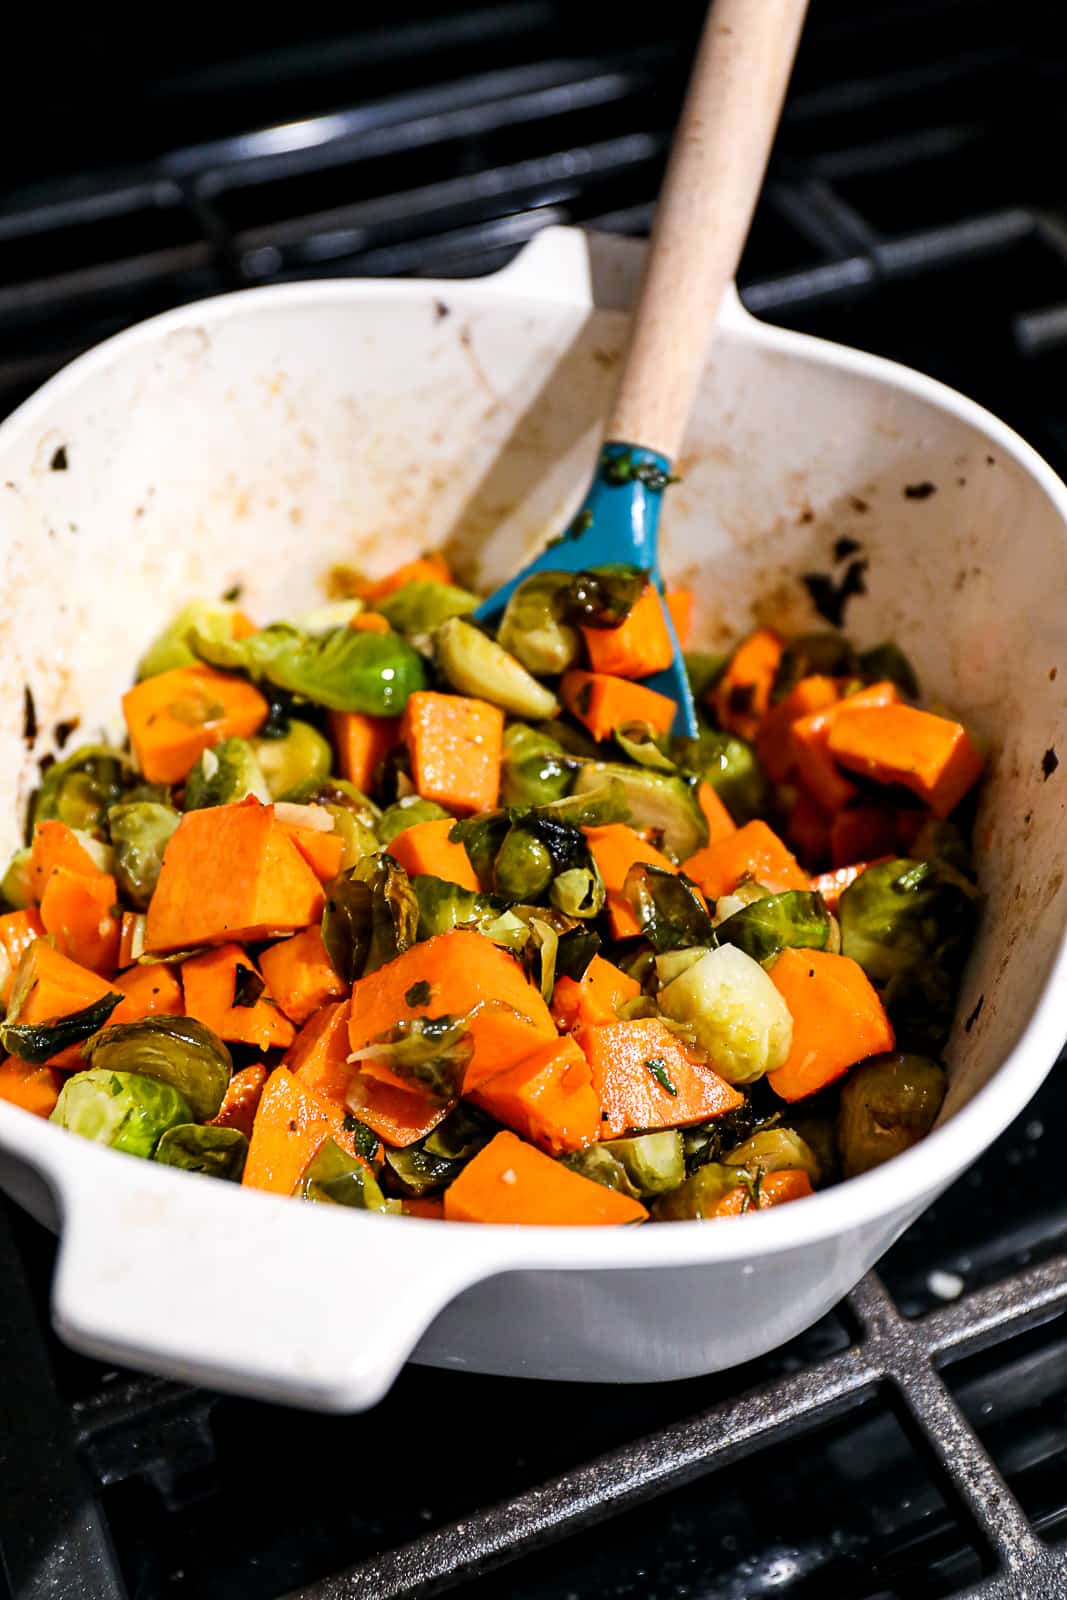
{"x":914,"y":1443}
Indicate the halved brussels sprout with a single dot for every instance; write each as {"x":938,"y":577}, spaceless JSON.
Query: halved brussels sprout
{"x":776,"y":922}
{"x":670,"y":911}
{"x":40,"y":1041}
{"x":431,"y":1053}
{"x":139,"y":835}
{"x":909,"y":924}
{"x":295,"y":765}
{"x":737,"y":1014}
{"x":646,"y":1165}
{"x":178,"y":1051}
{"x":774,"y":1150}
{"x":534,"y":627}
{"x":79,"y":789}
{"x":125,"y":1110}
{"x":888,"y":662}
{"x":404,"y":814}
{"x":173,"y":648}
{"x":433,"y":1162}
{"x":225,"y":774}
{"x":476,"y":665}
{"x":535,"y":769}
{"x":887,"y":1105}
{"x":334,"y":1177}
{"x":420,"y":608}
{"x":658,"y":802}
{"x":371,"y":915}
{"x":15,"y":886}
{"x":216,"y":1152}
{"x":345,"y":669}
{"x":731,"y":767}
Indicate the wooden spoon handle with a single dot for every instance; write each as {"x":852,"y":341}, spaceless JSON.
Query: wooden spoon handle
{"x":712,"y":182}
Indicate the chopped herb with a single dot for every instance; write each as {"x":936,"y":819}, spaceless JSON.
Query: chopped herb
{"x":248,"y":986}
{"x":1049,"y":762}
{"x":845,"y":547}
{"x":419,"y":994}
{"x":59,"y":462}
{"x":658,"y":1068}
{"x":233,"y":593}
{"x":625,"y":468}
{"x":919,"y":491}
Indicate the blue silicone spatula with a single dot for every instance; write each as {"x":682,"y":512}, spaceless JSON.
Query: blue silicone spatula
{"x":709,"y":192}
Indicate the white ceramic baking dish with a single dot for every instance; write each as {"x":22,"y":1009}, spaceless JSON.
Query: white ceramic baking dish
{"x":258,"y":438}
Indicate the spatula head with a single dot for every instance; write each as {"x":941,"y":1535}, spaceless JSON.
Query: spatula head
{"x":617,"y":523}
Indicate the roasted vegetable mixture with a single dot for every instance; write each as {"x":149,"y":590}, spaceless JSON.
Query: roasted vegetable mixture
{"x":380,"y":909}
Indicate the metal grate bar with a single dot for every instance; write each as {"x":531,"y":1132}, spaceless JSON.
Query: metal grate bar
{"x":55,"y":1538}
{"x":891,"y":1349}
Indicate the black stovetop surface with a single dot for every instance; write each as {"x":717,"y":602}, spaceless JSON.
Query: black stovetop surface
{"x":916,"y":207}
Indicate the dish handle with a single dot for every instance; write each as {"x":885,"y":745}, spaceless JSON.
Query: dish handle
{"x":582,"y":267}
{"x":314,"y":1305}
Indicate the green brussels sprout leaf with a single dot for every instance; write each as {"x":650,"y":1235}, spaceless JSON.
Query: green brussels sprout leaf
{"x":434,"y":1161}
{"x":371,"y":915}
{"x":37,"y":1042}
{"x":669,"y":909}
{"x":216,"y":1152}
{"x":641,"y":743}
{"x":430,"y":1053}
{"x":345,"y":669}
{"x":334,"y":1177}
{"x":421,"y":608}
{"x":776,"y":922}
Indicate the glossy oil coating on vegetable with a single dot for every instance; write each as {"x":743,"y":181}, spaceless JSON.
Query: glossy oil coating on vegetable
{"x":380,"y":909}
